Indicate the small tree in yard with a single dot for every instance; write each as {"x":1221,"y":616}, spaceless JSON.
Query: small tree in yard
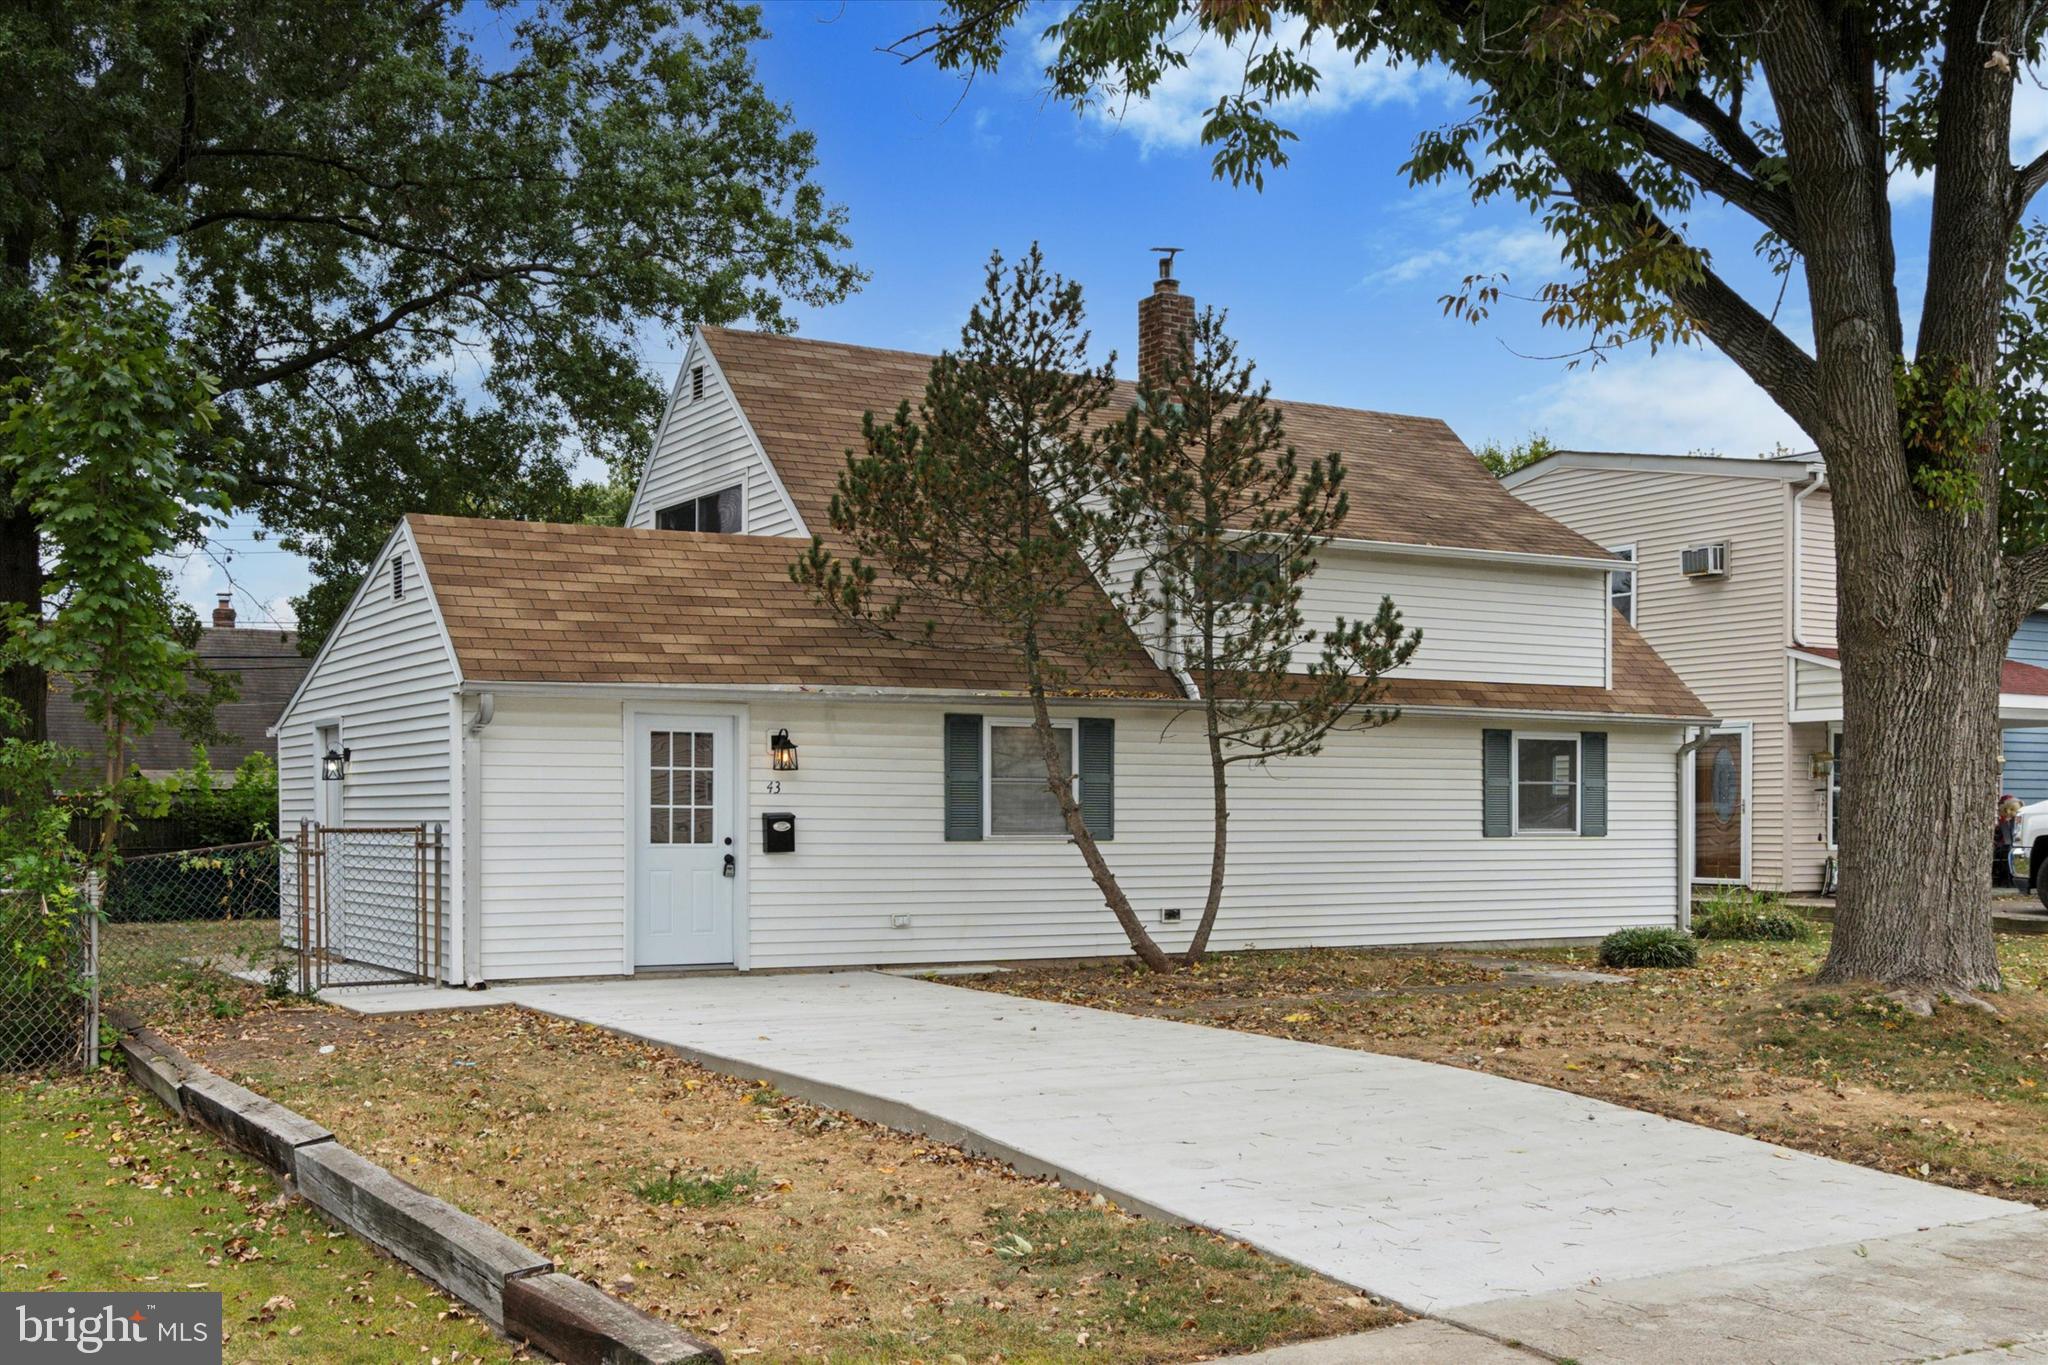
{"x":1232,"y":522}
{"x":98,"y":441}
{"x":1615,"y":123}
{"x":988,"y":507}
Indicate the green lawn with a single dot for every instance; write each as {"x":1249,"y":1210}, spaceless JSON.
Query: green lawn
{"x":102,"y":1189}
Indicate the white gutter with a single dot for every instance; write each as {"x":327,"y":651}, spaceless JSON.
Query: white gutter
{"x":1685,"y":825}
{"x":1819,"y":480}
{"x":934,"y":696}
{"x":1534,"y":560}
{"x":469,"y":913}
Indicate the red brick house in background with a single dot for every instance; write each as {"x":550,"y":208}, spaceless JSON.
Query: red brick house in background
{"x":266,"y":668}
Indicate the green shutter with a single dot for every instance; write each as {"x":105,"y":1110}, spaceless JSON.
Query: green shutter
{"x":1496,"y":764}
{"x":1593,"y":783}
{"x":963,"y":777}
{"x":1098,"y":777}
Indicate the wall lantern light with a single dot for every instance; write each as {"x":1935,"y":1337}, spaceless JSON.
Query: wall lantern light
{"x":334,"y":766}
{"x":782,"y":752}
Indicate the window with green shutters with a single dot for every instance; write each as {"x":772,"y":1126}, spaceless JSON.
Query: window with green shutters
{"x":995,"y":778}
{"x":1539,"y":783}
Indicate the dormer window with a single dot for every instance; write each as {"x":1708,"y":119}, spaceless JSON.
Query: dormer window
{"x":715,"y":512}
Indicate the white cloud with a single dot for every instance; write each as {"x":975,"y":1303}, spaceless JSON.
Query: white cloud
{"x":1172,"y":116}
{"x":1476,"y":252}
{"x":1674,"y":402}
{"x":2029,"y":139}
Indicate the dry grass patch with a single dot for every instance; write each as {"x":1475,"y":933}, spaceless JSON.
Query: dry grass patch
{"x":1743,"y":1042}
{"x":770,"y":1226}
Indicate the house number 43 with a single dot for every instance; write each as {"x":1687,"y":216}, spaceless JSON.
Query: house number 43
{"x":774,"y":788}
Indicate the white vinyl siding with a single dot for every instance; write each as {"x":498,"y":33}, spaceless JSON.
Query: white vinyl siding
{"x":703,"y":445}
{"x":553,"y":838}
{"x":1480,"y":621}
{"x":1376,"y":840}
{"x":385,"y":679}
{"x":1817,"y":687}
{"x":1725,"y":637}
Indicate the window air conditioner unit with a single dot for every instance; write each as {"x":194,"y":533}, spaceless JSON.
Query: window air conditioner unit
{"x":1704,"y":561}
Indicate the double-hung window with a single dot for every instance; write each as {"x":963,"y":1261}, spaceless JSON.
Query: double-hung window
{"x":715,"y":512}
{"x":1019,"y":802}
{"x":1621,"y":584}
{"x":1546,"y":784}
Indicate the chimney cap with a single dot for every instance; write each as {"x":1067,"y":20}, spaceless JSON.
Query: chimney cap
{"x":1166,"y":255}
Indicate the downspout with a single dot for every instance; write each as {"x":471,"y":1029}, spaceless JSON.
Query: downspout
{"x":1819,"y":480}
{"x":1685,"y":826}
{"x":473,"y":839}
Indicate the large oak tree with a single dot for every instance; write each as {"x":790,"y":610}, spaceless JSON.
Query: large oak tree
{"x":1612,"y":121}
{"x":425,"y":232}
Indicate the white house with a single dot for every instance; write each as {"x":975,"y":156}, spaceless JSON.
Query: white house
{"x":589,"y":711}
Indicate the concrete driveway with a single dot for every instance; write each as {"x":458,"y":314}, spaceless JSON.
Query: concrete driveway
{"x":1507,"y":1206}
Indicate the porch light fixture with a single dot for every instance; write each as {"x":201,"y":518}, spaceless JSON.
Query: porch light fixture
{"x":334,"y":766}
{"x":782,"y":752}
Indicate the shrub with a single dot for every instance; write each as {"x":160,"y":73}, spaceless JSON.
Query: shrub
{"x":1755,"y":922}
{"x":1648,"y":947}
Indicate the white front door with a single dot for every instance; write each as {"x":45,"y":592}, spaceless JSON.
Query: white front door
{"x":686,"y":864}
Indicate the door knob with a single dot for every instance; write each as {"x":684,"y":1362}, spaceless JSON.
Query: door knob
{"x":731,"y":865}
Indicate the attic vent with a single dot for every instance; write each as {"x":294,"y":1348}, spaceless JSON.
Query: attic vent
{"x":398,"y":578}
{"x":1704,"y":561}
{"x":696,"y":381}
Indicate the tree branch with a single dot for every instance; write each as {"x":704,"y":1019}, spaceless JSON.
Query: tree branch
{"x":1768,"y":206}
{"x":1777,"y":364}
{"x":341,"y":345}
{"x":2027,"y":182}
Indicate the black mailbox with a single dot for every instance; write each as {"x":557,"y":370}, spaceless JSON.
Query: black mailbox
{"x":778,"y":832}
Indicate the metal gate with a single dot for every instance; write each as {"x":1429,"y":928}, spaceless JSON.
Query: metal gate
{"x":366,"y":904}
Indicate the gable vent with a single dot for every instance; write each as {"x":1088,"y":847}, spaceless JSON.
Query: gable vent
{"x":398,"y":578}
{"x":696,"y":381}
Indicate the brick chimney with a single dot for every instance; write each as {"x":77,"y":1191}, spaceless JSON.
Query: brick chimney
{"x":224,"y":612}
{"x":1166,"y":317}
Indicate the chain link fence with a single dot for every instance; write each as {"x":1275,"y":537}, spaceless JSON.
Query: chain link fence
{"x":46,"y":999}
{"x":205,"y":930}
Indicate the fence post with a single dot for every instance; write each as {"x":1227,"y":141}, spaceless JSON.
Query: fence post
{"x":305,"y":925}
{"x":93,"y":893}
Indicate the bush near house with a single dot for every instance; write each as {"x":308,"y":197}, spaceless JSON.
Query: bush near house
{"x":1648,"y":947}
{"x":1746,"y":917}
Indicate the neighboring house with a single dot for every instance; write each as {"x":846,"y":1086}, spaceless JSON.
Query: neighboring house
{"x":266,"y":668}
{"x":2026,"y":751}
{"x":1752,"y":632}
{"x":591,"y":712}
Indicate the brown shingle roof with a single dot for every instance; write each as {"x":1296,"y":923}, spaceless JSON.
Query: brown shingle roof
{"x":1410,"y":479}
{"x":266,"y":667}
{"x":538,"y":602}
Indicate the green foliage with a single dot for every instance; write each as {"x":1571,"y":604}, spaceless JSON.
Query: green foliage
{"x":1648,"y":946}
{"x":1947,"y":420}
{"x":699,"y":1190}
{"x":98,"y":441}
{"x":1501,"y":461}
{"x":1746,"y":917}
{"x":40,"y":907}
{"x":415,"y":221}
{"x":211,"y":812}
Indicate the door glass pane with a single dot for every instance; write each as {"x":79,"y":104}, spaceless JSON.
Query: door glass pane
{"x":703,"y":752}
{"x":703,"y":831}
{"x":657,"y":748}
{"x":657,"y":825}
{"x":1717,"y":804}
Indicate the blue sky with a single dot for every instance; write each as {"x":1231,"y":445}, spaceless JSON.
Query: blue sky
{"x":1332,"y":276}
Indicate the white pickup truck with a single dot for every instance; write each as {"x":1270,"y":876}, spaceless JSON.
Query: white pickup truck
{"x":2030,"y":849}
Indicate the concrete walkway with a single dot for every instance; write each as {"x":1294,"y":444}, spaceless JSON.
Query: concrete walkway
{"x":1516,"y":1209}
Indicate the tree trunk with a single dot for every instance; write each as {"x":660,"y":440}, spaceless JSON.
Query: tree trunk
{"x":1219,"y":850}
{"x":1062,"y":784}
{"x":1920,"y":669}
{"x":21,"y":585}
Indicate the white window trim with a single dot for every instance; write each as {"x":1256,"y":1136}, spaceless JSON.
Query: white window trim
{"x":1635,"y":579}
{"x":710,"y":492}
{"x":988,"y":777}
{"x":1515,"y":738}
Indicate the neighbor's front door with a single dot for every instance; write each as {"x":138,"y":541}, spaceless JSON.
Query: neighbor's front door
{"x":685,"y":870}
{"x":1720,"y":804}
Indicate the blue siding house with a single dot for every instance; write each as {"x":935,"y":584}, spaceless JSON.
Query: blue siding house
{"x":2026,"y":751}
